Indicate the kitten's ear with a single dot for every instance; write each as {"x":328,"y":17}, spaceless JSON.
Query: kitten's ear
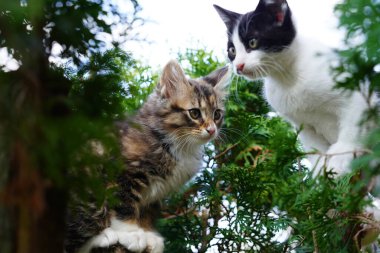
{"x":228,"y":17}
{"x":277,"y":8}
{"x":219,"y":79}
{"x":172,"y":79}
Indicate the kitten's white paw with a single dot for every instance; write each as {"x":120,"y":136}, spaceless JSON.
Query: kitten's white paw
{"x":155,"y":243}
{"x":105,"y":239}
{"x":136,"y":239}
{"x":133,"y":241}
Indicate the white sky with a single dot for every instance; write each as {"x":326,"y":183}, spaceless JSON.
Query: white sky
{"x":181,"y":24}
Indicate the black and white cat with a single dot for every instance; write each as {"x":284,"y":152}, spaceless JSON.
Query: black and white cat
{"x":297,"y":81}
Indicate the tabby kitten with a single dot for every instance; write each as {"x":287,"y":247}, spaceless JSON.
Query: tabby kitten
{"x":162,"y":150}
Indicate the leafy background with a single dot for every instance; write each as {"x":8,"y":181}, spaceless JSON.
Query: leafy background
{"x":254,"y":182}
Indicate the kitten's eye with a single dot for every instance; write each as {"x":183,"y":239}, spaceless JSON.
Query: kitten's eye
{"x":195,"y":113}
{"x":253,"y":43}
{"x":232,"y":51}
{"x":217,"y":114}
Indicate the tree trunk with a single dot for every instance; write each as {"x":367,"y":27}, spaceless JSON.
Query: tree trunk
{"x":35,"y":207}
{"x":5,"y":212}
{"x":38,"y":219}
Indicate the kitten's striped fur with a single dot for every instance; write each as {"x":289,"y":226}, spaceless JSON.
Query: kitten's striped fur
{"x":162,"y":150}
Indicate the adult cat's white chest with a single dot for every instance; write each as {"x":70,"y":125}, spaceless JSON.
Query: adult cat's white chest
{"x":304,"y":96}
{"x":306,"y":106}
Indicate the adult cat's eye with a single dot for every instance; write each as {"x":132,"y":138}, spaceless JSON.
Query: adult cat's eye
{"x":217,"y":114}
{"x":232,"y":51}
{"x":195,"y":113}
{"x":252,"y":43}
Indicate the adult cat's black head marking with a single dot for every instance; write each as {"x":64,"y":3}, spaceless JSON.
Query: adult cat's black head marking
{"x":267,"y":29}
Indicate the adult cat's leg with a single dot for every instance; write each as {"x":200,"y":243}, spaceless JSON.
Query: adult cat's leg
{"x":348,"y":144}
{"x":312,"y":141}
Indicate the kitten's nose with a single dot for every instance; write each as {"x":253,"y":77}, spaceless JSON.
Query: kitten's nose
{"x":240,"y":67}
{"x":210,"y":130}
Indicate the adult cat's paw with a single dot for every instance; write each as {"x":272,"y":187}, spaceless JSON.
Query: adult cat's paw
{"x":337,"y":160}
{"x":339,"y":164}
{"x":340,"y":156}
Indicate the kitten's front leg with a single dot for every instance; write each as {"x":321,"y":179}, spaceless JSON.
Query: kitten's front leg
{"x":129,"y":235}
{"x":135,"y":238}
{"x":105,"y":239}
{"x":140,"y":241}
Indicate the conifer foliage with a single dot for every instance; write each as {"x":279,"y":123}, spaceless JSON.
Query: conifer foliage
{"x":51,"y":113}
{"x":255,"y":184}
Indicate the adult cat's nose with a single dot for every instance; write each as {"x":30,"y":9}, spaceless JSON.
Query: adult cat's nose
{"x":239,"y":67}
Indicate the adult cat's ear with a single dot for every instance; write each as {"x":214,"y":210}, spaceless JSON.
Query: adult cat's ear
{"x":277,"y":8}
{"x":228,"y":17}
{"x":172,"y":80}
{"x":219,"y":79}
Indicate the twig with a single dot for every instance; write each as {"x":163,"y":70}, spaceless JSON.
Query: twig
{"x":314,"y":235}
{"x":173,"y":216}
{"x":225,"y":151}
{"x":313,"y":232}
{"x":340,"y":153}
{"x":316,"y":248}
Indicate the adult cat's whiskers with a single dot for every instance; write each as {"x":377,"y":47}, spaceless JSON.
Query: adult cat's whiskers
{"x":235,"y":90}
{"x":261,"y":71}
{"x":271,"y":67}
{"x":278,"y":65}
